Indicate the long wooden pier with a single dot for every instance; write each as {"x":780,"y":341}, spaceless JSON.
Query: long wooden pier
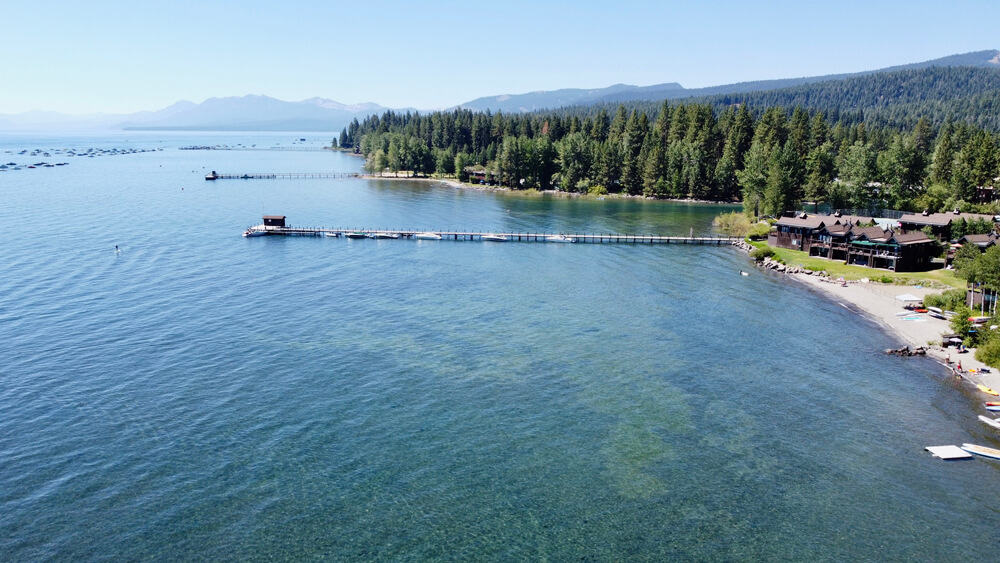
{"x":281,"y":175}
{"x":496,"y":236}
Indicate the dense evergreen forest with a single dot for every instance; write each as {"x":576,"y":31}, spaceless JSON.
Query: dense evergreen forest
{"x":772,"y":161}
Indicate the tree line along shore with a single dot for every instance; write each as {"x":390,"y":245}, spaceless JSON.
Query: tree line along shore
{"x":771,"y":160}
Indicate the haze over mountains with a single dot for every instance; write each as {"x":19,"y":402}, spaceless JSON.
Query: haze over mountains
{"x":263,"y":113}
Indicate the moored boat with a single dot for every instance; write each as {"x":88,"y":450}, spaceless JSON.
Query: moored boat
{"x":255,"y":231}
{"x":333,"y":235}
{"x":495,"y":238}
{"x":559,"y":238}
{"x":355,"y":235}
{"x":386,"y":235}
{"x":981,"y":450}
{"x":427,"y":236}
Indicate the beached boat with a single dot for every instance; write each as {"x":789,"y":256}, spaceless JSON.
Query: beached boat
{"x":992,"y":408}
{"x":495,"y":238}
{"x":427,"y":236}
{"x":355,"y":235}
{"x":981,"y":450}
{"x":935,"y":315}
{"x":386,"y":235}
{"x":987,"y":390}
{"x":559,"y":238}
{"x":993,"y":403}
{"x":991,"y":421}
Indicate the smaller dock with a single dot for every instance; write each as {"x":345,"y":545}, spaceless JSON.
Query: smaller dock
{"x":213,"y":175}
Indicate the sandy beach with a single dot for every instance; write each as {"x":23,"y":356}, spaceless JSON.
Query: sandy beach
{"x":878,"y":301}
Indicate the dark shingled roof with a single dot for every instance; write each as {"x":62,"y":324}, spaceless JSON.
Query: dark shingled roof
{"x":809,"y":222}
{"x":871,"y":233}
{"x":980,"y":240}
{"x":838,"y":229}
{"x":914,"y":237}
{"x":940,"y":219}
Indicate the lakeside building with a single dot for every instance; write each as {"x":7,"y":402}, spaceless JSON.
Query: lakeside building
{"x":939,"y":223}
{"x":982,"y":241}
{"x":844,"y":238}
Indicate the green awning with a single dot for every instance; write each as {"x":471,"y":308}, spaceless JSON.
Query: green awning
{"x":870,"y":243}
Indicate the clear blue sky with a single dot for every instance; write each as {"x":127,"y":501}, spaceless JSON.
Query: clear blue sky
{"x":95,"y":56}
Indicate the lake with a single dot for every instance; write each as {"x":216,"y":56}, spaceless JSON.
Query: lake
{"x":199,"y":395}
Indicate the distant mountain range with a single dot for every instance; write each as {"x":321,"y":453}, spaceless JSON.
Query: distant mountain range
{"x":246,"y":113}
{"x":532,"y":101}
{"x":263,"y":113}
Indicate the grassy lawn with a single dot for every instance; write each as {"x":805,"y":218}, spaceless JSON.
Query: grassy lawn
{"x":838,"y":269}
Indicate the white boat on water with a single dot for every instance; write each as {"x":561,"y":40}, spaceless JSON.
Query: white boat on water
{"x":427,"y":236}
{"x":991,"y":421}
{"x":495,"y":238}
{"x":255,"y":231}
{"x":386,"y":235}
{"x":355,"y":235}
{"x":559,"y":238}
{"x":981,"y":450}
{"x":333,"y":235}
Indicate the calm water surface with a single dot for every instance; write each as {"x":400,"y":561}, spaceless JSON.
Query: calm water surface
{"x":200,"y":395}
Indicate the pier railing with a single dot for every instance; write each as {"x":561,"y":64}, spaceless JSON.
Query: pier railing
{"x":486,"y":236}
{"x":282,"y":175}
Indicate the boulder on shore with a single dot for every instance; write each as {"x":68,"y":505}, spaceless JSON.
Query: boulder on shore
{"x":905,"y":351}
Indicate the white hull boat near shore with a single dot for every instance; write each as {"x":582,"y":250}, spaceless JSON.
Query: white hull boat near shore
{"x":427,"y":236}
{"x":495,"y":238}
{"x":255,"y":231}
{"x":559,"y":238}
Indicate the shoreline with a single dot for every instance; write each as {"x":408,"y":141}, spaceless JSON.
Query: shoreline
{"x":453,"y":183}
{"x":877,"y":302}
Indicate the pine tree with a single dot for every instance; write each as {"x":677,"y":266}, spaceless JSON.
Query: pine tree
{"x":753,"y":177}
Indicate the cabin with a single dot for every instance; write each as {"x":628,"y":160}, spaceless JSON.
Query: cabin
{"x":899,"y":252}
{"x":982,"y":241}
{"x":481,"y":176}
{"x":798,"y":232}
{"x":272,"y":221}
{"x":939,"y":223}
{"x":981,"y":299}
{"x":831,"y":242}
{"x":841,"y":237}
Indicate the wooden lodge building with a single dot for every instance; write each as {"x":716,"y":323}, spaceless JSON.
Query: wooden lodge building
{"x":940,"y":223}
{"x":841,"y":237}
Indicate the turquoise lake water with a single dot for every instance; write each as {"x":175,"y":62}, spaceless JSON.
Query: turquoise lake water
{"x":199,"y":395}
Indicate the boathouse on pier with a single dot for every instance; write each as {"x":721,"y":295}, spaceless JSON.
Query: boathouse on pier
{"x":274,"y":221}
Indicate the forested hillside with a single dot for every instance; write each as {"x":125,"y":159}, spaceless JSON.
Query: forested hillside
{"x":897,"y":99}
{"x":772,"y":161}
{"x":625,"y":93}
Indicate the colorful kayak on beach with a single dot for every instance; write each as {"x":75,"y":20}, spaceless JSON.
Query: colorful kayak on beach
{"x":993,"y":403}
{"x":987,"y":390}
{"x":993,"y":408}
